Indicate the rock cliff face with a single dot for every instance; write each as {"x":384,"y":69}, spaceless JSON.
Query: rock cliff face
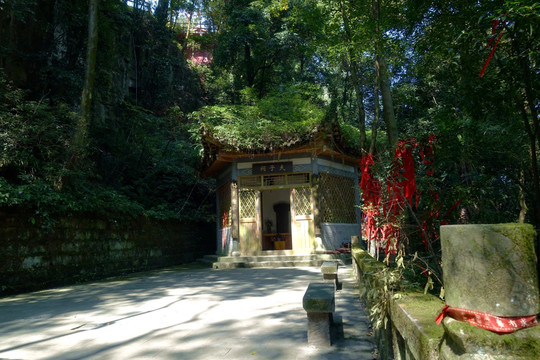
{"x":140,"y":72}
{"x":43,"y":44}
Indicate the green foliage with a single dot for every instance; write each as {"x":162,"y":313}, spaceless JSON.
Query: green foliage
{"x":478,"y":118}
{"x":138,"y":163}
{"x":351,"y":137}
{"x":46,"y":203}
{"x":266,"y":44}
{"x":21,"y":10}
{"x":273,"y":122}
{"x":151,"y":160}
{"x":32,"y":133}
{"x":271,"y":63}
{"x":379,"y":288}
{"x":143,"y":164}
{"x":35,"y":138}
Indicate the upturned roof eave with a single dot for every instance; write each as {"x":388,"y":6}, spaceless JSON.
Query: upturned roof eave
{"x":223,"y":155}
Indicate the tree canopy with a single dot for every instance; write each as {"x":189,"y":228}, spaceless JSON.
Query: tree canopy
{"x":385,"y":71}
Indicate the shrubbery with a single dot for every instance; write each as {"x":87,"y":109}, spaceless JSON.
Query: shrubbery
{"x":139,"y":164}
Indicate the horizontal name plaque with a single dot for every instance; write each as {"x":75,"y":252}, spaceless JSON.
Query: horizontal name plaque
{"x":272,"y":168}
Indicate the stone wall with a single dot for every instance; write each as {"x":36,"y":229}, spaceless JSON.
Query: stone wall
{"x":334,"y":235}
{"x":411,"y":332}
{"x":78,"y":249}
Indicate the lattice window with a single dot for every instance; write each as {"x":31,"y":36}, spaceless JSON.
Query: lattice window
{"x":261,"y":181}
{"x":224,"y":196}
{"x":248,"y":199}
{"x":299,"y":179}
{"x":337,"y":199}
{"x":302,"y":201}
{"x":249,"y":180}
{"x":271,"y":180}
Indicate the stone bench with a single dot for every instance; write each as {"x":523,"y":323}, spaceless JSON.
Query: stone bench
{"x":320,"y":304}
{"x":329,"y":270}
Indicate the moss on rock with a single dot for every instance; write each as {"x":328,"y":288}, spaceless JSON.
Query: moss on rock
{"x":490,"y":268}
{"x":422,"y":335}
{"x":466,"y":338}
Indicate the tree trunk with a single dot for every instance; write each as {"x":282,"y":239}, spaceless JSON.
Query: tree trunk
{"x":355,"y":78}
{"x":376,"y":105}
{"x":374,"y":125}
{"x":534,"y":164}
{"x":250,"y":72}
{"x":530,"y":96}
{"x":384,"y":81}
{"x":188,"y":31}
{"x":522,"y":203}
{"x":529,"y":114}
{"x":162,"y":12}
{"x":376,"y":113}
{"x":388,"y":105}
{"x":359,"y":102}
{"x":80,"y":139}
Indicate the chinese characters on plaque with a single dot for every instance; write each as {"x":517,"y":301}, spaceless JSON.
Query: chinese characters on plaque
{"x":272,"y":168}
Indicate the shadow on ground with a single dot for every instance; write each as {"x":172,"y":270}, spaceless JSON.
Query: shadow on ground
{"x":170,"y":314}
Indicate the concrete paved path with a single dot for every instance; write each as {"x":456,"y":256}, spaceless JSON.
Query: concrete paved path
{"x":181,"y":314}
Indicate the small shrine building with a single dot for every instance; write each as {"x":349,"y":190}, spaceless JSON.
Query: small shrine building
{"x":299,"y":199}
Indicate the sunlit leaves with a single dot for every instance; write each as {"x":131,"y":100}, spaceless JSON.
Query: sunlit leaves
{"x":272,"y":122}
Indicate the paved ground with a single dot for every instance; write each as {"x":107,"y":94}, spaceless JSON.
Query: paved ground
{"x":180,"y":314}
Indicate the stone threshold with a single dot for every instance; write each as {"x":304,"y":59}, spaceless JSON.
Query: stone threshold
{"x":272,"y":261}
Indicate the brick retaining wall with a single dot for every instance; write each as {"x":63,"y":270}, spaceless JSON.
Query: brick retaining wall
{"x":78,"y":249}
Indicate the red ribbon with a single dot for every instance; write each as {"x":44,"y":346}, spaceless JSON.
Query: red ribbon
{"x":493,"y":30}
{"x":404,"y":177}
{"x":496,"y":324}
{"x":401,"y":187}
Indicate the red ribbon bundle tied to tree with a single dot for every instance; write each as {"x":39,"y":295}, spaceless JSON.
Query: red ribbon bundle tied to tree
{"x":403,"y":184}
{"x":382,"y":213}
{"x":371,"y":194}
{"x":496,"y":324}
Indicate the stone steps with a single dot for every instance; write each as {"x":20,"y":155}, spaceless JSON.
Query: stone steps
{"x":272,"y":261}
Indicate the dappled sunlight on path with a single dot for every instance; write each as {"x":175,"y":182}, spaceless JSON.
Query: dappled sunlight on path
{"x":171,"y":314}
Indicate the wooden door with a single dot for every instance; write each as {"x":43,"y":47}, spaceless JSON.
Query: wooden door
{"x":250,"y":221}
{"x":302,"y":230}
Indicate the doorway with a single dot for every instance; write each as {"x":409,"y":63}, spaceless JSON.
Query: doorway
{"x":276,"y":216}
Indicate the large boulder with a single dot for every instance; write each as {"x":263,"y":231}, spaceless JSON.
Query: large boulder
{"x":490,"y":268}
